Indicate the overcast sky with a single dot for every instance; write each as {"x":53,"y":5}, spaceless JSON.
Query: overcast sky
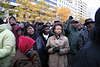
{"x":92,"y":4}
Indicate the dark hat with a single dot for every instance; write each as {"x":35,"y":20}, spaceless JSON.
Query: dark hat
{"x":48,"y":22}
{"x":97,"y":19}
{"x":44,"y":26}
{"x":12,"y":17}
{"x":87,"y":21}
{"x":56,"y":21}
{"x":74,"y":21}
{"x":40,"y":22}
{"x":1,"y":21}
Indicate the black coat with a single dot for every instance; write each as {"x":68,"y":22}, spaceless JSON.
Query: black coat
{"x":41,"y":44}
{"x":83,"y":38}
{"x":88,"y":56}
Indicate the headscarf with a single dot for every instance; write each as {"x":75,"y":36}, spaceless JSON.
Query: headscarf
{"x":25,"y":43}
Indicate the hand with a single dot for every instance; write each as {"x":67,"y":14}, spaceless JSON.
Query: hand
{"x":47,"y":48}
{"x":56,"y":49}
{"x":70,"y":17}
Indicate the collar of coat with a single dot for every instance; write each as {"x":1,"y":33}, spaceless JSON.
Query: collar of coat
{"x":61,"y":37}
{"x":2,"y":27}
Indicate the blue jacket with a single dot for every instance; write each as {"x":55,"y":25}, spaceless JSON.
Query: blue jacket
{"x":83,"y":38}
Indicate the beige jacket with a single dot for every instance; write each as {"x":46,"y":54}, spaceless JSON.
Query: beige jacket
{"x":58,"y":59}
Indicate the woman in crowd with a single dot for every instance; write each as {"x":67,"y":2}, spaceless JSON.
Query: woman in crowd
{"x":31,"y":31}
{"x":58,"y":47}
{"x":25,"y":55}
{"x":18,"y":31}
{"x":41,"y":44}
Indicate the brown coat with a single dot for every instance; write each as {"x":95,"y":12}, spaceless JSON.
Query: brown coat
{"x":21,"y":60}
{"x":58,"y":59}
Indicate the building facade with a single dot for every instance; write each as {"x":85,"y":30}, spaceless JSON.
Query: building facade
{"x":81,"y":8}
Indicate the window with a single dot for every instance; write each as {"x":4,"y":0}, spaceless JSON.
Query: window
{"x":52,"y":3}
{"x":55,"y":0}
{"x":51,"y":6}
{"x":35,"y":1}
{"x":62,"y":1}
{"x":12,"y":0}
{"x":59,"y":5}
{"x":59,"y":0}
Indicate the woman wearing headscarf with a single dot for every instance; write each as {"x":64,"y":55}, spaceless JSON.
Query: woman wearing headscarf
{"x":25,"y":55}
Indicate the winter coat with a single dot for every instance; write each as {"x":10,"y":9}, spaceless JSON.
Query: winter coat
{"x":83,"y":38}
{"x":21,"y":60}
{"x":41,"y":44}
{"x":73,"y":37}
{"x":88,"y":56}
{"x":58,"y":59}
{"x":7,"y":46}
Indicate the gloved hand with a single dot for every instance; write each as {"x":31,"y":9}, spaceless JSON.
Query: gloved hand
{"x":56,"y":49}
{"x":47,"y":48}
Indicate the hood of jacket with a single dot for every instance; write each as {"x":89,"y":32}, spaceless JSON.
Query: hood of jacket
{"x":16,"y":29}
{"x":16,"y":35}
{"x":2,"y":27}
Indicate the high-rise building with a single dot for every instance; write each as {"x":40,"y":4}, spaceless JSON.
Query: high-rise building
{"x":81,"y":8}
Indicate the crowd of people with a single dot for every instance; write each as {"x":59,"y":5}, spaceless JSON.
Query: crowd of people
{"x":69,"y":44}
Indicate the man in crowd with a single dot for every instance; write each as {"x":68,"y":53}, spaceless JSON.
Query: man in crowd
{"x":7,"y":45}
{"x":73,"y":35}
{"x":89,"y":55}
{"x":84,"y":35}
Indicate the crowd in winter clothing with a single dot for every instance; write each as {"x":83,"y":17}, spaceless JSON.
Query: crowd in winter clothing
{"x":69,"y":44}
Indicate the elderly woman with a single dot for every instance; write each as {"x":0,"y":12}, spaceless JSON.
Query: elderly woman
{"x":58,"y":47}
{"x":25,"y":55}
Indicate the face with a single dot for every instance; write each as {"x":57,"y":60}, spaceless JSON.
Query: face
{"x":19,"y":32}
{"x":47,"y":30}
{"x":58,"y":30}
{"x":90,"y":25}
{"x":40,"y":26}
{"x":30,"y":30}
{"x":79,"y":27}
{"x":12,"y":19}
{"x":13,"y":24}
{"x":73,"y":25}
{"x":48,"y":24}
